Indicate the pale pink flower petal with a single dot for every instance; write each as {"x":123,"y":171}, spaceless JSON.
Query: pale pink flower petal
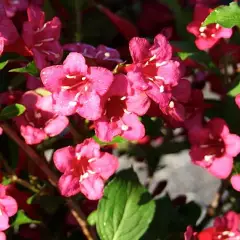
{"x":3,"y":236}
{"x":235,"y":181}
{"x":56,"y":126}
{"x":10,"y":205}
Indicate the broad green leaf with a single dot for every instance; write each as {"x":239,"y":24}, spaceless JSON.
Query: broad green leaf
{"x":21,"y":219}
{"x":117,"y":139}
{"x":126,"y":210}
{"x":92,"y":218}
{"x":12,"y":111}
{"x":226,"y":16}
{"x":30,"y":68}
{"x":3,"y":64}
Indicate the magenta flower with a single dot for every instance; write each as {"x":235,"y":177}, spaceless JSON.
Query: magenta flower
{"x":207,"y":36}
{"x":39,"y":121}
{"x":12,"y":6}
{"x":213,"y":147}
{"x":77,"y":87}
{"x":153,"y":70}
{"x":121,"y":107}
{"x":8,"y":32}
{"x":42,"y":38}
{"x":102,"y":55}
{"x":8,"y":207}
{"x":84,"y":168}
{"x":235,"y":181}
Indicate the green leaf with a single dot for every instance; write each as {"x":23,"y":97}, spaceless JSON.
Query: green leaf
{"x":12,"y":111}
{"x":21,"y":219}
{"x":30,"y":68}
{"x":236,"y":89}
{"x":116,"y":139}
{"x":226,"y":16}
{"x":6,"y":181}
{"x":126,"y":210}
{"x":3,"y":64}
{"x":92,"y":218}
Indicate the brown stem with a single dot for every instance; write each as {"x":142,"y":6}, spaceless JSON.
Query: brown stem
{"x":76,"y":135}
{"x":53,"y":179}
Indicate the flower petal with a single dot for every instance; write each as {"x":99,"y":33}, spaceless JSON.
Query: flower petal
{"x":101,"y":79}
{"x":75,"y":64}
{"x":92,"y":187}
{"x":10,"y":205}
{"x":106,"y":165}
{"x":139,"y":49}
{"x":235,"y":181}
{"x":221,"y":167}
{"x":56,"y":126}
{"x":69,"y":184}
{"x":63,"y":158}
{"x":232,"y":144}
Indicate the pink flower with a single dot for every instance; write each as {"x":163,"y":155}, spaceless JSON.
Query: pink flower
{"x":84,"y":168}
{"x":102,"y":55}
{"x":189,"y":234}
{"x":153,"y":70}
{"x":224,"y":227}
{"x":121,"y":108}
{"x":8,"y":207}
{"x":77,"y":87}
{"x":42,"y":38}
{"x":213,"y":147}
{"x":237,"y":100}
{"x":12,"y":6}
{"x":207,"y":36}
{"x":3,"y":236}
{"x":38,"y":121}
{"x":235,"y":181}
{"x":8,"y":32}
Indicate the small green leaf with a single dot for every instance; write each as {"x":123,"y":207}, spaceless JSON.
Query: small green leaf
{"x":126,"y":210}
{"x":6,"y":181}
{"x":226,"y":16}
{"x":3,"y":64}
{"x":21,"y":219}
{"x":12,"y":111}
{"x":30,"y":68}
{"x":236,"y":89}
{"x":116,"y":139}
{"x":92,"y":218}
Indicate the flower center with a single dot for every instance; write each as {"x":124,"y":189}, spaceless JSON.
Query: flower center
{"x":115,"y":107}
{"x":226,"y":235}
{"x":213,"y":148}
{"x":82,"y":167}
{"x":209,"y":31}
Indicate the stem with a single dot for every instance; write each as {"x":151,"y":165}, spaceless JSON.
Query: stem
{"x":78,"y":20}
{"x":77,"y":137}
{"x":53,"y":179}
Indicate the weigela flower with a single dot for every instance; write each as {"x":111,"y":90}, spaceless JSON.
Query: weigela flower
{"x":235,"y":181}
{"x":42,"y":38}
{"x":207,"y":36}
{"x":8,"y":207}
{"x":84,"y":168}
{"x":39,"y":121}
{"x":213,"y":147}
{"x":77,"y":87}
{"x":101,"y":56}
{"x":225,"y":227}
{"x":153,"y":70}
{"x":8,"y":32}
{"x":12,"y":6}
{"x":121,"y":108}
